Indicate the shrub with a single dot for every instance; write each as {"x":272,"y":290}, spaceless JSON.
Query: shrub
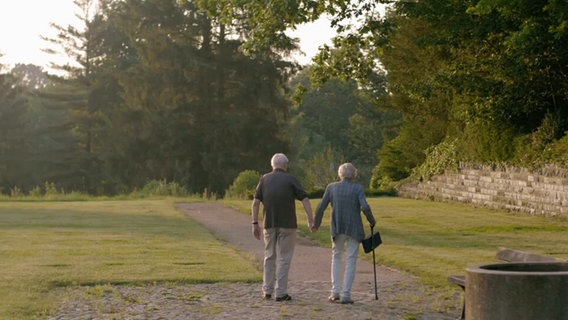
{"x":315,"y":192}
{"x":544,"y":146}
{"x":163,"y":188}
{"x":16,"y":192}
{"x":321,"y":169}
{"x":384,"y":186}
{"x":244,"y":185}
{"x":439,"y":158}
{"x":51,"y":189}
{"x":558,"y":152}
{"x":486,"y":142}
{"x":35,"y":192}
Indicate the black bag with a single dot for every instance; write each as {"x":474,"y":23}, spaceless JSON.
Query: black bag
{"x":371,"y":242}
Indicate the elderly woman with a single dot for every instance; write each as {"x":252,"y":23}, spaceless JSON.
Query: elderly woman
{"x":347,"y":200}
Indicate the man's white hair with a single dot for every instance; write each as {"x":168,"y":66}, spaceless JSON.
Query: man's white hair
{"x":347,"y":171}
{"x":278,"y":160}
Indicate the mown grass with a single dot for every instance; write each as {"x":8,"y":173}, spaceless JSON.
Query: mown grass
{"x":50,"y":244}
{"x":44,"y":245}
{"x":434,"y":240}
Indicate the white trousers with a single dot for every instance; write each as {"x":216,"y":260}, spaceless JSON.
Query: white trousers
{"x":279,"y":246}
{"x":340,"y":243}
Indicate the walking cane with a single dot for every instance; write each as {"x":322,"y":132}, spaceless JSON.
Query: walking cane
{"x":374,"y":265}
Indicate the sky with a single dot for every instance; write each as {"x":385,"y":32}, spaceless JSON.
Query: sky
{"x":22,"y":22}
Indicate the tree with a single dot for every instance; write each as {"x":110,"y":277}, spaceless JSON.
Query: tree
{"x":354,"y":57}
{"x":489,"y":73}
{"x":263,"y":24}
{"x":497,"y":67}
{"x":337,"y":121}
{"x":195,"y":105}
{"x":321,"y":169}
{"x":12,"y":132}
{"x":30,"y":76}
{"x":77,"y":162}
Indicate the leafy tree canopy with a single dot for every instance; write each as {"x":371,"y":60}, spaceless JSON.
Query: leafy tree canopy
{"x":489,"y":73}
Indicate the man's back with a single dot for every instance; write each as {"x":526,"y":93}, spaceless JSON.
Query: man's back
{"x":278,"y":191}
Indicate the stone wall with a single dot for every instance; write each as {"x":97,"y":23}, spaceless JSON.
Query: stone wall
{"x":537,"y":193}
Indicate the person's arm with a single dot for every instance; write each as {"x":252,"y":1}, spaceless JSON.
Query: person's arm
{"x":255,"y":226}
{"x":321,"y":209}
{"x":366,"y":208}
{"x":370,"y":217}
{"x":308,"y":208}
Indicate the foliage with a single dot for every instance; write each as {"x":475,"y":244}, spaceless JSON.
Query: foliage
{"x":66,"y":140}
{"x":162,"y":188}
{"x":557,"y":153}
{"x":321,"y":169}
{"x":263,"y":23}
{"x":542,"y":147}
{"x":16,"y":193}
{"x":61,"y":138}
{"x":486,"y":142}
{"x":50,"y":189}
{"x":171,"y":99}
{"x":335,"y":122}
{"x":192,"y":103}
{"x":454,"y":68}
{"x":495,"y":61}
{"x":399,"y":156}
{"x":30,"y":76}
{"x":13,"y":129}
{"x":439,"y":158}
{"x":35,"y":192}
{"x":392,"y":166}
{"x":244,"y":185}
{"x":181,"y":90}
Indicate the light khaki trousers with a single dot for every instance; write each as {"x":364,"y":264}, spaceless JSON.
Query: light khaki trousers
{"x":343,"y":243}
{"x":279,"y":246}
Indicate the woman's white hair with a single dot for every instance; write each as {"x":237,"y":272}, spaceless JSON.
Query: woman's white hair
{"x":347,"y":171}
{"x":278,"y":160}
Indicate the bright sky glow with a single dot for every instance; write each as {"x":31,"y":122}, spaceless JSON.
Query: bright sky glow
{"x":22,"y":22}
{"x":312,"y":36}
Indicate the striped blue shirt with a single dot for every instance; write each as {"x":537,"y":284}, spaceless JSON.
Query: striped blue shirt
{"x":347,"y":201}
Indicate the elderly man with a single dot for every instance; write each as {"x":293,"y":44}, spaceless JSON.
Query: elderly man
{"x":278,"y":191}
{"x":347,"y":200}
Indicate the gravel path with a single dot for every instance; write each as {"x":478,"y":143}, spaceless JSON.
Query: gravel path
{"x":400,"y":295}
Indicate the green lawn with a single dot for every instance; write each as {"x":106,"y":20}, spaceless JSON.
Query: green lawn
{"x":434,"y":240}
{"x":44,"y":245}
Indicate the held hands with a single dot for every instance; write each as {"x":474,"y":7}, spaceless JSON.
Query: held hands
{"x":312,"y":227}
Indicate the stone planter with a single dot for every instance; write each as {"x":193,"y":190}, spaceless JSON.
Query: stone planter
{"x":517,"y":291}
